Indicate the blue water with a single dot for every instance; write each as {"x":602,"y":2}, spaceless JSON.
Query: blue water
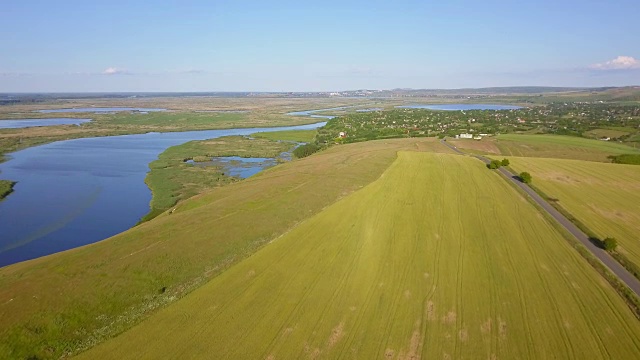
{"x":98,"y":110}
{"x":24,"y":123}
{"x":453,"y":107}
{"x":245,"y":167}
{"x":76,"y":192}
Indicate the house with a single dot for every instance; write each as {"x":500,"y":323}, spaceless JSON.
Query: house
{"x":342,"y":135}
{"x":466,"y":136}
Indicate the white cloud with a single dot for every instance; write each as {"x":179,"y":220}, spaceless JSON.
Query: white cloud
{"x":114,"y":71}
{"x":619,"y":63}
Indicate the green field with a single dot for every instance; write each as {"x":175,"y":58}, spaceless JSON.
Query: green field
{"x":289,"y":135}
{"x":438,"y":258}
{"x":604,"y":197}
{"x":65,"y":302}
{"x":556,"y":146}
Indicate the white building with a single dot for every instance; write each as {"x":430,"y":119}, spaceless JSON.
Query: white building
{"x":466,"y":136}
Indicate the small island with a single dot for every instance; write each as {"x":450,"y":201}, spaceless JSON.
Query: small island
{"x":6,"y":188}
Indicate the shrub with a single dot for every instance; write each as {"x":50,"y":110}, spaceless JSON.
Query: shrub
{"x":505,"y":162}
{"x":305,"y":150}
{"x":609,"y":244}
{"x":494,"y":164}
{"x":525,"y":177}
{"x":632,"y":159}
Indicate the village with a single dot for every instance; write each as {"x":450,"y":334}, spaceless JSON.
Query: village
{"x":620,"y":123}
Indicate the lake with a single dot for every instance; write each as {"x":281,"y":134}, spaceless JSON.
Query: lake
{"x":24,"y":123}
{"x":99,"y":110}
{"x":454,"y":107}
{"x":76,"y":192}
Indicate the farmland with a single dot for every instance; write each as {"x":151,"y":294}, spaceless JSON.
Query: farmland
{"x":420,"y":263}
{"x":604,"y":197}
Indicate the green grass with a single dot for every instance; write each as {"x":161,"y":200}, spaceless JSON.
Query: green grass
{"x":603,"y":197}
{"x":65,"y":302}
{"x":289,"y":135}
{"x":6,"y":188}
{"x":171,"y":179}
{"x":555,"y":146}
{"x":421,"y":263}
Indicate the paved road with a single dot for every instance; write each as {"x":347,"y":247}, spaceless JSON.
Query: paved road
{"x":602,"y":255}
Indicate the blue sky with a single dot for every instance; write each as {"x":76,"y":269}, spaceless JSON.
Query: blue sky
{"x":187,"y":45}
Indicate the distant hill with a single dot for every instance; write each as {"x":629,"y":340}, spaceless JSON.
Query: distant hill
{"x":629,"y":93}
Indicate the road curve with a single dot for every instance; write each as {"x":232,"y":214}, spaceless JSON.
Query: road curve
{"x":603,"y":256}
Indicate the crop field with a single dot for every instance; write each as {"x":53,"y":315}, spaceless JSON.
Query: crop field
{"x":604,"y":197}
{"x":62,"y":303}
{"x":437,"y":258}
{"x":556,"y":146}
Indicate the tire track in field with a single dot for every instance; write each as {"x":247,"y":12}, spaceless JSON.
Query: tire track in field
{"x":287,"y":322}
{"x":460,"y":268}
{"x":517,"y":275}
{"x":400,"y":284}
{"x":557,"y":318}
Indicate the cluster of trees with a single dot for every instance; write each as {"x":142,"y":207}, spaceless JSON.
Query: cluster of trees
{"x":524,"y":176}
{"x":496,"y":164}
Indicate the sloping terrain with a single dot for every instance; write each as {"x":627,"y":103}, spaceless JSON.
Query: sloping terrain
{"x":438,"y":258}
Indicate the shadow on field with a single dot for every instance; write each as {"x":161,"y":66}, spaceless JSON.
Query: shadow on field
{"x":597,"y":242}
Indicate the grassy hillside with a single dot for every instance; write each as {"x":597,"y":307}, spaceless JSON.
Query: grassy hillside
{"x":61,"y":303}
{"x":438,"y":258}
{"x":604,"y":197}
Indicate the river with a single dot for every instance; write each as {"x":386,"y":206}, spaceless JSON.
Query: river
{"x":77,"y":192}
